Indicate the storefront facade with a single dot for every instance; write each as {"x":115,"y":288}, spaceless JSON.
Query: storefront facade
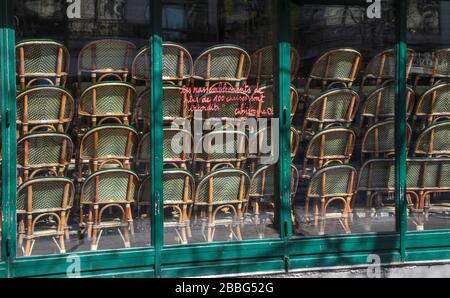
{"x":335,"y":113}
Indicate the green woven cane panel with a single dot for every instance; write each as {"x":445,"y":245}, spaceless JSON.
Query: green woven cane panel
{"x":172,"y":103}
{"x":266,"y":176}
{"x":340,"y":65}
{"x":336,"y":143}
{"x":174,"y":188}
{"x":229,"y":104}
{"x":43,"y":105}
{"x":441,"y":101}
{"x":112,"y":187}
{"x":46,"y":195}
{"x":336,"y":182}
{"x":443,"y":63}
{"x":225,"y":188}
{"x":40,"y":58}
{"x":337,"y":106}
{"x":144,"y":148}
{"x":175,"y":143}
{"x":386,"y":138}
{"x":142,"y":66}
{"x":111,"y":143}
{"x":440,"y":140}
{"x":145,"y":191}
{"x":41,"y":150}
{"x":171,"y":59}
{"x":110,"y":99}
{"x":224,"y":64}
{"x":387,"y":102}
{"x":107,"y":54}
{"x":221,"y":146}
{"x":389,"y":65}
{"x":380,"y":174}
{"x":142,"y":110}
{"x":266,"y":64}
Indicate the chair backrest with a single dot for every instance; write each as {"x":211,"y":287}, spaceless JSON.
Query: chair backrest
{"x":379,"y":139}
{"x":107,"y":101}
{"x":222,"y":63}
{"x":41,"y":60}
{"x":262,"y":146}
{"x":140,"y":67}
{"x":261,"y":103}
{"x":177,"y":146}
{"x":333,"y":181}
{"x":109,"y":186}
{"x":178,"y":186}
{"x":106,"y":143}
{"x":49,"y":151}
{"x":224,"y":105}
{"x":377,"y":175}
{"x":177,"y":63}
{"x":338,"y":65}
{"x":434,"y":141}
{"x":295,"y":179}
{"x":142,"y":113}
{"x":263,"y":182}
{"x":262,"y":65}
{"x":175,"y":103}
{"x":428,"y":174}
{"x":434,"y":104}
{"x":332,"y":106}
{"x":223,"y":186}
{"x":222,"y":147}
{"x":110,"y":58}
{"x":294,"y":141}
{"x":44,"y":107}
{"x":441,"y":64}
{"x":331,"y":144}
{"x":380,"y":105}
{"x":45,"y":194}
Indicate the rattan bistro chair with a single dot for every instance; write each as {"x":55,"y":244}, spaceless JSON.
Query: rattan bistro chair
{"x":43,"y":153}
{"x":220,"y":148}
{"x":223,"y":189}
{"x":295,"y":139}
{"x":228,"y":107}
{"x":141,"y":113}
{"x":175,"y":103}
{"x":337,"y":67}
{"x":143,"y":157}
{"x":380,"y":106}
{"x":44,"y":108}
{"x":381,"y":68}
{"x":106,"y":146}
{"x":295,"y":179}
{"x":440,"y":70}
{"x":331,"y":107}
{"x":379,"y":140}
{"x":222,"y":63}
{"x":107,"y":102}
{"x":177,"y":147}
{"x":177,"y":64}
{"x":433,"y":106}
{"x":37,"y":200}
{"x":140,"y":67}
{"x":334,"y":144}
{"x":105,"y":58}
{"x":261,"y":103}
{"x":262,"y":65}
{"x":104,"y":190}
{"x":327,"y":185}
{"x":434,"y":141}
{"x":41,"y":60}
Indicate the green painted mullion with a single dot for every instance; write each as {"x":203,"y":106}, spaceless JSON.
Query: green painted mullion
{"x":282,"y":74}
{"x":156,"y":131}
{"x":400,"y":122}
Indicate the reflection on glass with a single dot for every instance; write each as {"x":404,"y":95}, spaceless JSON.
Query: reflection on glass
{"x":218,"y":109}
{"x":342,"y":135}
{"x":82,"y":122}
{"x":428,"y":155}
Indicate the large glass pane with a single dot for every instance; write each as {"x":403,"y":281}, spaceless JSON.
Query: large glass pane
{"x":428,"y":166}
{"x":82,"y":103}
{"x":221,"y":132}
{"x":343,"y":129}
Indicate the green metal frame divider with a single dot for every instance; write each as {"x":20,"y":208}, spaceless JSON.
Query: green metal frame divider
{"x":281,"y":254}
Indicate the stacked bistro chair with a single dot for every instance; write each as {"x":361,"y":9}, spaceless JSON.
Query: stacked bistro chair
{"x":334,"y":68}
{"x":380,"y":106}
{"x":141,"y":113}
{"x":42,"y":154}
{"x":175,"y":103}
{"x":49,"y":108}
{"x":333,"y":144}
{"x":262,"y":66}
{"x":177,"y":147}
{"x":223,"y":189}
{"x":295,"y":180}
{"x":107,"y":189}
{"x":440,"y":70}
{"x":142,"y":158}
{"x":379,"y":140}
{"x":433,"y":141}
{"x":432,"y":106}
{"x":140,"y":68}
{"x":41,"y":60}
{"x":38,"y":199}
{"x":220,"y":148}
{"x":222,"y":63}
{"x":331,"y":107}
{"x":105,"y":58}
{"x":380,"y":69}
{"x":261,"y":104}
{"x":178,"y":65}
{"x":103,"y":146}
{"x":332,"y":183}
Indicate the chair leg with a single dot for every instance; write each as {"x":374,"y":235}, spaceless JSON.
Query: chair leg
{"x":211,"y":224}
{"x":322,"y":217}
{"x":21,"y":232}
{"x":94,"y":238}
{"x":62,"y":245}
{"x":28,"y":247}
{"x":126,"y":236}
